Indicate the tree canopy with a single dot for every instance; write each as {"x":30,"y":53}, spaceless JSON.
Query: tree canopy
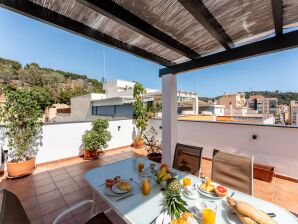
{"x":55,"y":86}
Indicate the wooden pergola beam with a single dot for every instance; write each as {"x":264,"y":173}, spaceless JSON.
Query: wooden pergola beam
{"x":201,"y":13}
{"x":48,"y":16}
{"x":277,"y":11}
{"x":270,"y":45}
{"x":124,"y":17}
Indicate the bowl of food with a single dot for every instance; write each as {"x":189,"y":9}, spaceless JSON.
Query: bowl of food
{"x":109,"y":183}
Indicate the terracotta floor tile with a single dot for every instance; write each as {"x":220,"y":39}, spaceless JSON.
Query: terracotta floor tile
{"x":57,"y":172}
{"x":66,"y":182}
{"x":78,"y":178}
{"x":69,"y":189}
{"x":45,"y":189}
{"x":4,"y":184}
{"x":36,"y":221}
{"x":72,"y":167}
{"x":83,"y":217}
{"x":82,"y":183}
{"x":39,"y":183}
{"x":79,"y":195}
{"x":29,"y":203}
{"x":20,"y":185}
{"x":77,"y":172}
{"x":48,"y":196}
{"x":61,"y":177}
{"x":33,"y":212}
{"x":264,"y":189}
{"x":49,"y":218}
{"x":40,"y":176}
{"x":52,"y":206}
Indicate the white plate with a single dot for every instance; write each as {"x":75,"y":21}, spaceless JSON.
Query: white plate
{"x":109,"y":192}
{"x":233,"y":218}
{"x":116,"y":190}
{"x":164,"y":218}
{"x":212,"y":195}
{"x":192,"y":197}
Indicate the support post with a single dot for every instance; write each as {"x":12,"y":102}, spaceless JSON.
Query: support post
{"x":195,"y":105}
{"x":169,"y":117}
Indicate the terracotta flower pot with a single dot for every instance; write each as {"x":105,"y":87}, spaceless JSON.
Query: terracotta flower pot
{"x":156,"y":157}
{"x":19,"y":169}
{"x":138,"y":143}
{"x":88,"y":155}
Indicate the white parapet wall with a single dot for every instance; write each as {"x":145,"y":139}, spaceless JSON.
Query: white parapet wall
{"x":63,"y":140}
{"x":274,"y":145}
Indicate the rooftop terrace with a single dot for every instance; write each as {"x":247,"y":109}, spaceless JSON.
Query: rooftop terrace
{"x":53,"y":187}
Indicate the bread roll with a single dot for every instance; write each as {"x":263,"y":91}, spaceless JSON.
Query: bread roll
{"x":257,"y":215}
{"x":244,"y":219}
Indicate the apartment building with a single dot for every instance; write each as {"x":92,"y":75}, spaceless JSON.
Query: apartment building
{"x":235,"y":100}
{"x":118,"y":99}
{"x":262,"y":104}
{"x":294,"y":112}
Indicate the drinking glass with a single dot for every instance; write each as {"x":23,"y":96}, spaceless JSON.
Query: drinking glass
{"x":209,"y":213}
{"x":140,"y":166}
{"x":145,"y":186}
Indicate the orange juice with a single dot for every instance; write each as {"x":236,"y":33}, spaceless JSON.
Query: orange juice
{"x":145,"y":186}
{"x":186,"y":181}
{"x":140,"y":167}
{"x":209,"y":216}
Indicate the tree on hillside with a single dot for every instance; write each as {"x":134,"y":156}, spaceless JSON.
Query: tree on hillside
{"x":67,"y":94}
{"x":42,"y":96}
{"x":9,"y":69}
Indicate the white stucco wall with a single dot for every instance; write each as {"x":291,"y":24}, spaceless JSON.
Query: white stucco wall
{"x":64,"y":140}
{"x":275,"y":146}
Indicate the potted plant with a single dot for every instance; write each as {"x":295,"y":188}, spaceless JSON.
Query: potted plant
{"x":139,"y":114}
{"x":152,"y":145}
{"x":96,"y":139}
{"x":22,"y":115}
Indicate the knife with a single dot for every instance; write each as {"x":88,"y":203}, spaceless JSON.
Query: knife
{"x":126,"y":196}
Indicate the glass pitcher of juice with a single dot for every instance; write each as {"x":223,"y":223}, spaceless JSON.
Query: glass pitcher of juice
{"x":209,"y":213}
{"x":145,"y":186}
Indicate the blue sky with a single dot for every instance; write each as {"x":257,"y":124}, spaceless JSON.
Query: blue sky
{"x":27,"y":40}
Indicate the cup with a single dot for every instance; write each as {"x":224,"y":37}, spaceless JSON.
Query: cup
{"x":209,"y":213}
{"x":191,"y":190}
{"x":146,"y":186}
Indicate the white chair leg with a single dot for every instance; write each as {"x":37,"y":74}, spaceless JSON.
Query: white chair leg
{"x":72,"y":208}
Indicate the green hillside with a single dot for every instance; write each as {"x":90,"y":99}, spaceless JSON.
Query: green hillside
{"x":55,"y":85}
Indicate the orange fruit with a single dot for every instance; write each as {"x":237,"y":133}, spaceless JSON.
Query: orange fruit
{"x":186,"y":181}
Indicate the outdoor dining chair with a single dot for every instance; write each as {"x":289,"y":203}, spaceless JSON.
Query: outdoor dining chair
{"x":188,"y":158}
{"x":232,"y":170}
{"x":12,"y":211}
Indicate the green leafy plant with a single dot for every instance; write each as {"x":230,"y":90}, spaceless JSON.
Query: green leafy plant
{"x":139,"y":109}
{"x":22,"y":115}
{"x":98,"y":136}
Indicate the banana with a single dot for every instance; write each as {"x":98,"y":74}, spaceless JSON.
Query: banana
{"x":166,"y":177}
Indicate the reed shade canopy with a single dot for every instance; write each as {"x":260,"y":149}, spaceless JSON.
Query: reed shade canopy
{"x":179,"y":34}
